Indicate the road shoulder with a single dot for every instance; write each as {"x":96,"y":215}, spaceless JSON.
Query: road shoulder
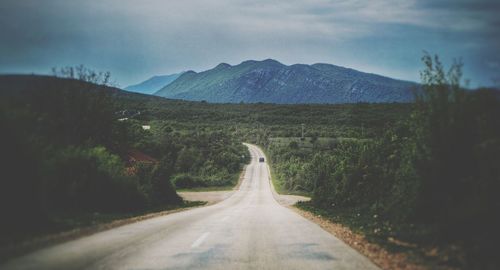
{"x":26,"y":246}
{"x":377,"y":254}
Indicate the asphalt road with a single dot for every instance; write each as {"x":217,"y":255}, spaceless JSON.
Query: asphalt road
{"x":249,"y":230}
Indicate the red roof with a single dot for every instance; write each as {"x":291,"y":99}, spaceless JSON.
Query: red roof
{"x":137,"y":156}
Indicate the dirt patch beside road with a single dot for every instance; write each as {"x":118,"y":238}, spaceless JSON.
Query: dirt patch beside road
{"x":289,"y":200}
{"x":286,"y":200}
{"x":211,"y":197}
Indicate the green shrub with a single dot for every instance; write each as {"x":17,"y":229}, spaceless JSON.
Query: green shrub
{"x":221,"y":178}
{"x":154,"y":181}
{"x":186,"y":181}
{"x":90,"y":179}
{"x":20,"y":166}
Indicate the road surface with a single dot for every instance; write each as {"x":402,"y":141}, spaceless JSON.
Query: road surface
{"x":249,"y":230}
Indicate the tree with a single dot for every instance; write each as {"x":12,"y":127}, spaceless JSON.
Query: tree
{"x":439,"y":132}
{"x":84,"y":74}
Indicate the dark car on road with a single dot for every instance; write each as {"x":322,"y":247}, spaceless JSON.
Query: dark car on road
{"x":261,"y":159}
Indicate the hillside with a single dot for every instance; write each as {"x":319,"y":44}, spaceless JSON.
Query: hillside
{"x":153,"y":84}
{"x":270,"y":81}
{"x":279,"y":120}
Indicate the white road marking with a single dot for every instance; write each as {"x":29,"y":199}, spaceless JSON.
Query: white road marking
{"x":200,"y":240}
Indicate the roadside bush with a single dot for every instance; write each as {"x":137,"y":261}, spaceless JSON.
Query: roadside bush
{"x":154,"y":183}
{"x":187,"y":160}
{"x":199,"y":159}
{"x":187,"y":181}
{"x":456,"y":134}
{"x":221,"y":178}
{"x":90,"y":179}
{"x":20,"y":165}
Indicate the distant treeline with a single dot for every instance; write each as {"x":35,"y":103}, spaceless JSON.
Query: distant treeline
{"x":341,"y":120}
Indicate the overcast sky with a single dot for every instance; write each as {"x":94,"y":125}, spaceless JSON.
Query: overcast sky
{"x":135,"y":39}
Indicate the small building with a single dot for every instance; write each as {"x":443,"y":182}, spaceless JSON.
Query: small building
{"x":134,"y":157}
{"x":146,"y":127}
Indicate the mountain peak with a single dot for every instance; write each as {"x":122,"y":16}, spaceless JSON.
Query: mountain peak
{"x":248,"y":62}
{"x":271,"y":61}
{"x":223,"y":65}
{"x":268,"y":61}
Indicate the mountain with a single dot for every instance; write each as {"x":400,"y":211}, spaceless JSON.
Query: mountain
{"x":270,"y":81}
{"x":153,"y":84}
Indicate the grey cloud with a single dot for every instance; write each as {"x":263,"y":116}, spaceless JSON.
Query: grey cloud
{"x":136,"y":39}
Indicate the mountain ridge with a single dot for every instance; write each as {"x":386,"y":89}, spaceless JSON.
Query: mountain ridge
{"x":153,"y":84}
{"x":270,"y":81}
